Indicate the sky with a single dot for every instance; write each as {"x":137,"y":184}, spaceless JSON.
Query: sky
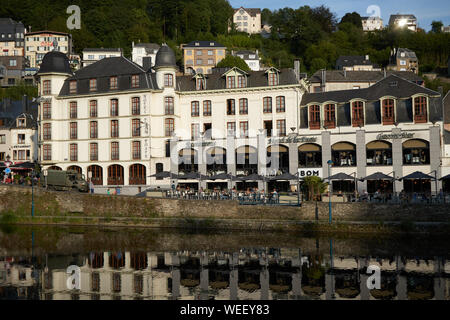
{"x":425,"y":11}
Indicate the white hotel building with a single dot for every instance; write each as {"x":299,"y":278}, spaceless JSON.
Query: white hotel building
{"x":115,"y":121}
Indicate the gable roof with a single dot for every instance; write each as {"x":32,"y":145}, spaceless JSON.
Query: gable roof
{"x":364,"y":76}
{"x":246,"y":54}
{"x":251,"y":11}
{"x":390,"y":86}
{"x":255,"y":79}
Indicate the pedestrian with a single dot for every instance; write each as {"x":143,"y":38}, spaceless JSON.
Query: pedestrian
{"x":108,"y":192}
{"x":91,"y":186}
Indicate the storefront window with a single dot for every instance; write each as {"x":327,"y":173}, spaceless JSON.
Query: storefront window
{"x":416,"y":152}
{"x":343,"y":154}
{"x":246,"y":160}
{"x":188,"y":161}
{"x":278,"y":157}
{"x":216,"y":161}
{"x":310,"y":156}
{"x":379,"y":153}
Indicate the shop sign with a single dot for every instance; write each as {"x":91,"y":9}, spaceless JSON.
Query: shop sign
{"x":293,"y":138}
{"x":310,"y":172}
{"x":392,"y":136}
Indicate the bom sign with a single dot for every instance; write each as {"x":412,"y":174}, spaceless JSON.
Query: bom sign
{"x":310,"y":172}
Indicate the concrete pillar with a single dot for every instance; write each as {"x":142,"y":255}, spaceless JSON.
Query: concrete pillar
{"x":297,"y":284}
{"x":264,"y":280}
{"x":293,"y":158}
{"x":176,"y":283}
{"x":127,"y":260}
{"x":326,"y":152}
{"x":262,"y":157}
{"x":106,"y":260}
{"x":204,"y":277}
{"x":364,"y":291}
{"x":435,"y":157}
{"x":231,"y":158}
{"x":361,"y":159}
{"x":234,"y":277}
{"x":397,"y":159}
{"x":329,"y":286}
{"x":402,"y":288}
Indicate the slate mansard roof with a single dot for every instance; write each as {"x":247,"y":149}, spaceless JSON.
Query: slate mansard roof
{"x":55,"y":62}
{"x":103,"y":70}
{"x":217,"y":81}
{"x":352,"y":76}
{"x":392,"y":86}
{"x":203,"y":44}
{"x":350,"y":61}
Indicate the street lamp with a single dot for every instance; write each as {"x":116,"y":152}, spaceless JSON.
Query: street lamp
{"x":330,"y":163}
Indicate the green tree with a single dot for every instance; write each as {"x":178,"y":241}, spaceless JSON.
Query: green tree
{"x":232,"y":61}
{"x":313,"y":187}
{"x":436,"y":26}
{"x":353,"y":18}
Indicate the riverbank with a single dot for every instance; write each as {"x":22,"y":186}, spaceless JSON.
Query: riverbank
{"x":70,"y":208}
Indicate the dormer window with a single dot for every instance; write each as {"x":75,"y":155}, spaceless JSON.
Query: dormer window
{"x":231,"y":82}
{"x":358,"y":114}
{"x":241,"y":82}
{"x":330,"y":116}
{"x":113,"y":83}
{"x":21,"y":123}
{"x":168,"y":80}
{"x":93,"y":84}
{"x":135,"y":81}
{"x":200,"y":84}
{"x":420,"y":110}
{"x":388,"y":111}
{"x":73,"y":86}
{"x":314,"y":117}
{"x":273,"y":78}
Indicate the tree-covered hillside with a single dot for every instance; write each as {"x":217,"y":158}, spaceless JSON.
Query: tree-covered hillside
{"x":312,"y":34}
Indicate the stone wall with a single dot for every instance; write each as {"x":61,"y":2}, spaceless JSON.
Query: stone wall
{"x":17,"y":200}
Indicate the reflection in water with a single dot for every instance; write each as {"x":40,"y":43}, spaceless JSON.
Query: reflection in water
{"x":247,"y":273}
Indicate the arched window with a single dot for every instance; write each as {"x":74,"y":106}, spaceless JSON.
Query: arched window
{"x":159,"y":167}
{"x":310,"y":156}
{"x":246,"y":160}
{"x":416,"y":152}
{"x":357,"y":114}
{"x":343,"y":154}
{"x":75,"y":168}
{"x":278,"y":158}
{"x":388,"y":112}
{"x":379,"y":153}
{"x":314,"y":117}
{"x":115,"y":175}
{"x":216,"y":160}
{"x":207,"y":111}
{"x":137,"y":174}
{"x":188,"y":161}
{"x":96,"y":174}
{"x":420,"y":110}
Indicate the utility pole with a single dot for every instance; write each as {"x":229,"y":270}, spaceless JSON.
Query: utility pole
{"x":330,"y":163}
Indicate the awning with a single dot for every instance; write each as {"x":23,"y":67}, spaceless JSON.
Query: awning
{"x":192,"y":176}
{"x":164,"y":175}
{"x":222,"y":176}
{"x":285,"y":176}
{"x":446,"y":177}
{"x":252,"y":177}
{"x":378,"y":176}
{"x":340,"y":176}
{"x":417,"y":176}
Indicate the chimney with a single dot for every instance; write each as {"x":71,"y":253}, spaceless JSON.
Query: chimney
{"x":345,"y":73}
{"x":324,"y":80}
{"x":367,"y":57}
{"x":147,"y":63}
{"x":297,"y":69}
{"x":384,"y":72}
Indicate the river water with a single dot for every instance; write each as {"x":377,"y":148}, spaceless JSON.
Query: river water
{"x":166,"y":264}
